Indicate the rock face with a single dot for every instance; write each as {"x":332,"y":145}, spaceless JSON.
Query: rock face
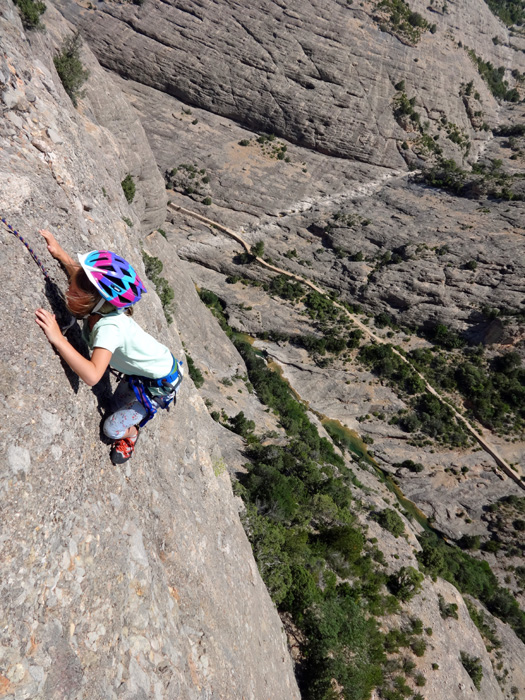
{"x":139,"y":582}
{"x":377,"y":237}
{"x":134,"y":582}
{"x":321,"y":74}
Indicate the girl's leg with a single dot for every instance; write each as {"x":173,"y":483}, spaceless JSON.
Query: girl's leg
{"x":127,"y":413}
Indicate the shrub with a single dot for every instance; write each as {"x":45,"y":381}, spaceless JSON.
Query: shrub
{"x":346,"y":540}
{"x":70,"y":69}
{"x":447,"y":609}
{"x":472,"y":665}
{"x":30,"y":12}
{"x":128,"y":187}
{"x":257,"y":250}
{"x":405,"y":583}
{"x":420,"y":680}
{"x":419,"y":647}
{"x":154,"y":267}
{"x":410,"y":465}
{"x":494,"y":78}
{"x":206,"y":201}
{"x":241,"y":425}
{"x":196,"y":375}
{"x":391,"y":521}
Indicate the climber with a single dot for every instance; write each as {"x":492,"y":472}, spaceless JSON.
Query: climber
{"x":102,"y":290}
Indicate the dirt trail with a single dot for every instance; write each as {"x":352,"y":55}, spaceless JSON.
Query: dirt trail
{"x":476,"y":433}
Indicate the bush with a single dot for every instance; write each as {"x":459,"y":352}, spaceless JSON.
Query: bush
{"x":419,"y":647}
{"x":30,"y":12}
{"x":447,"y":609}
{"x":405,"y":583}
{"x":154,"y":267}
{"x":196,"y":376}
{"x":391,"y":521}
{"x":70,"y":69}
{"x":241,"y":425}
{"x":420,"y":680}
{"x":257,"y":250}
{"x":346,"y":540}
{"x":128,"y":187}
{"x":472,"y":665}
{"x":415,"y":467}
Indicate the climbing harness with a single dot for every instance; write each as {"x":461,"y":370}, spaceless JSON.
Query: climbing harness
{"x":33,"y":255}
{"x":163,"y":391}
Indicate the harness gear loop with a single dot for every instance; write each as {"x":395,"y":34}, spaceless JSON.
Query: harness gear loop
{"x":164,"y":390}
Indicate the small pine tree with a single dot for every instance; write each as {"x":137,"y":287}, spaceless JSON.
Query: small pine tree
{"x":70,"y":69}
{"x":30,"y":12}
{"x":128,"y":187}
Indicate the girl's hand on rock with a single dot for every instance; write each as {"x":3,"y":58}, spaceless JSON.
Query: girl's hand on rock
{"x":49,"y":325}
{"x":52,"y":244}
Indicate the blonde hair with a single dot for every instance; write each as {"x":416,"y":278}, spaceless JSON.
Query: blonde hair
{"x":82,"y":296}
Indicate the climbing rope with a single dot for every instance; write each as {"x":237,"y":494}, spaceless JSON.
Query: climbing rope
{"x":33,"y":254}
{"x":35,"y":257}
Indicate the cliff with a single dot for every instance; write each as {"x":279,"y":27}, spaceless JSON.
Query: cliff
{"x":129,"y":583}
{"x":139,"y":582}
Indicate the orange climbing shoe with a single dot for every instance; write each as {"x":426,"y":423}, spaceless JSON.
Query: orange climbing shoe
{"x":122,"y":449}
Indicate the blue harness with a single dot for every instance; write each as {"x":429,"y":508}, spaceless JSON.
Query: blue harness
{"x":165,"y":390}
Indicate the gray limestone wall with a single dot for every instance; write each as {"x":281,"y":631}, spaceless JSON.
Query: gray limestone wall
{"x":131,"y":582}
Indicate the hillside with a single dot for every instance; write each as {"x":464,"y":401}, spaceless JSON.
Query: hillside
{"x":373,"y":169}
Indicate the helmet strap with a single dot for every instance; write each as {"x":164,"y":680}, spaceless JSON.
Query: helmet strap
{"x":98,"y":306}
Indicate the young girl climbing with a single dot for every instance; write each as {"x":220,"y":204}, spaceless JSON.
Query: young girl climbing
{"x":102,"y":290}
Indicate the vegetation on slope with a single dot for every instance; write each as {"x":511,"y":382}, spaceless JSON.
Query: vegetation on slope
{"x":509,"y":11}
{"x":313,"y":554}
{"x":481,"y":181}
{"x":494,"y":77}
{"x":30,"y":12}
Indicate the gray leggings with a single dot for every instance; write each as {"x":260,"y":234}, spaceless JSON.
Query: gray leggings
{"x":127,"y":412}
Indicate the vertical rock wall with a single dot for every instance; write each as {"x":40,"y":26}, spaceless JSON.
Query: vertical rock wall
{"x":131,"y":582}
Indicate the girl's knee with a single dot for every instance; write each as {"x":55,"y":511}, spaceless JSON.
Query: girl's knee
{"x":112,"y":429}
{"x":119,"y":422}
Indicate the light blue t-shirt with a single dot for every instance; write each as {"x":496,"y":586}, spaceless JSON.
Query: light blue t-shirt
{"x":134,"y":350}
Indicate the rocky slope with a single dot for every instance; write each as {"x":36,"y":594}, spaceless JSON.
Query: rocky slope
{"x":321,"y":74}
{"x":180,"y":610}
{"x":115,"y":583}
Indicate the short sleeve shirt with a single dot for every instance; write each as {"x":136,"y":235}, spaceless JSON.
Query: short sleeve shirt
{"x":133,"y":350}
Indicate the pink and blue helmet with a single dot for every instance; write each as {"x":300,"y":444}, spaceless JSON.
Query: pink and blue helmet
{"x":113,"y":277}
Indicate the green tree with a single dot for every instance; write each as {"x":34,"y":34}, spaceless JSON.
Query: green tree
{"x":472,"y":665}
{"x":30,"y":12}
{"x":241,"y":425}
{"x":128,"y":187}
{"x":70,"y":69}
{"x":405,"y":583}
{"x":391,"y":521}
{"x":257,"y":249}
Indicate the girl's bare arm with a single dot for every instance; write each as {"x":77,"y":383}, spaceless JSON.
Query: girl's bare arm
{"x":90,"y":371}
{"x":56,"y":249}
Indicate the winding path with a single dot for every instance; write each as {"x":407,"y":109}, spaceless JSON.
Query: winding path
{"x":476,"y":433}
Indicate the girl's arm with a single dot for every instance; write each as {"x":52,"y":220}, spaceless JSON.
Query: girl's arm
{"x":56,"y":249}
{"x":90,"y":371}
